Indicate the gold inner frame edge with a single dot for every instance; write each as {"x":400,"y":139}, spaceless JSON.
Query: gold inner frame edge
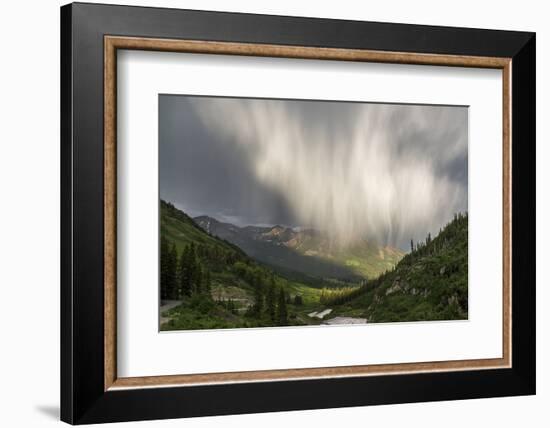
{"x":113,"y":43}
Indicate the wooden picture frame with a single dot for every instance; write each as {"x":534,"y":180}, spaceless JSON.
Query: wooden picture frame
{"x":91,"y":390}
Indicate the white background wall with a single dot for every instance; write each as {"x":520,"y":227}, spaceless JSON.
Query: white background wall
{"x":29,"y":215}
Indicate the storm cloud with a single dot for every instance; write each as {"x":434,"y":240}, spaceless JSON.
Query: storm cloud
{"x":384,"y":172}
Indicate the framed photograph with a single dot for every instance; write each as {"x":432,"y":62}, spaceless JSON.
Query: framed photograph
{"x":265,"y":213}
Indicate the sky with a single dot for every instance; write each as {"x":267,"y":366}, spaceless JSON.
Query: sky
{"x":385,"y":172}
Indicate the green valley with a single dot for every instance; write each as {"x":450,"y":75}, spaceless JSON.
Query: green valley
{"x":211,"y":276}
{"x":210,"y":283}
{"x":308,"y":252}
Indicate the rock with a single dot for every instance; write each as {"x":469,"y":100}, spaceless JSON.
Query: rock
{"x":394,"y":288}
{"x":320,"y":314}
{"x":453,"y":300}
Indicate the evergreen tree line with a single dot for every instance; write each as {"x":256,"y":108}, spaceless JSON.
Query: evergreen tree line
{"x":186,"y":274}
{"x":424,"y":248}
{"x":182,"y":274}
{"x":444,"y":238}
{"x":337,"y":296}
{"x":271,"y":300}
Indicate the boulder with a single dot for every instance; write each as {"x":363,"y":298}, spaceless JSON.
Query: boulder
{"x":394,"y":288}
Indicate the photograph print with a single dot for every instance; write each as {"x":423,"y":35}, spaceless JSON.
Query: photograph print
{"x":282,"y":212}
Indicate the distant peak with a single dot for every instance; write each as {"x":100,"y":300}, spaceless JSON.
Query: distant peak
{"x":205,"y":218}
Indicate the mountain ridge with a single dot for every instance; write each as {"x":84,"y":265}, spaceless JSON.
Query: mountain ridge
{"x":217,"y":285}
{"x":305,"y":250}
{"x":429,"y":283}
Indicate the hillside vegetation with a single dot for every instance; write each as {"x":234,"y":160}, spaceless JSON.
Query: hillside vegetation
{"x":218,"y":285}
{"x":429,"y":283}
{"x":208,"y":282}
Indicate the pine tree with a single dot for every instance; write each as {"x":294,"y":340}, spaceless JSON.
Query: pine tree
{"x":412,"y":246}
{"x":207,"y":282}
{"x":185,"y":284}
{"x":282,"y":313}
{"x":171,"y":272}
{"x":258,"y":300}
{"x":197,"y":280}
{"x":193,"y":269}
{"x":270,"y":299}
{"x":164,"y":255}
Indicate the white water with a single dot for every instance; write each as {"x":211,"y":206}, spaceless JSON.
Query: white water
{"x":344,"y":320}
{"x":320,"y":315}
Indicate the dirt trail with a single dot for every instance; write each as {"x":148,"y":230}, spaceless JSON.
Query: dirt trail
{"x":166,"y":305}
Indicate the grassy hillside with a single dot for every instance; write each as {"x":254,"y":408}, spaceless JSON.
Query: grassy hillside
{"x":366,"y":259}
{"x":179,"y":228}
{"x":219,"y":286}
{"x":430,"y":283}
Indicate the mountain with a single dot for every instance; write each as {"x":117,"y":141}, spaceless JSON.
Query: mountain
{"x":209,"y":282}
{"x":215,"y":284}
{"x":430,"y":283}
{"x":306,"y":251}
{"x":181,"y":229}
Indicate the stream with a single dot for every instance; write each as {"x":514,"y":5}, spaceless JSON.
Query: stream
{"x":336,"y":320}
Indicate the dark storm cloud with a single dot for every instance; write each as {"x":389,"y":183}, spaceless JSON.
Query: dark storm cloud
{"x":387,"y":172}
{"x":204,"y":174}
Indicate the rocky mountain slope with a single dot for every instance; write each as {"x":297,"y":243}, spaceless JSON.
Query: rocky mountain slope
{"x":429,"y":283}
{"x":307,"y":251}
